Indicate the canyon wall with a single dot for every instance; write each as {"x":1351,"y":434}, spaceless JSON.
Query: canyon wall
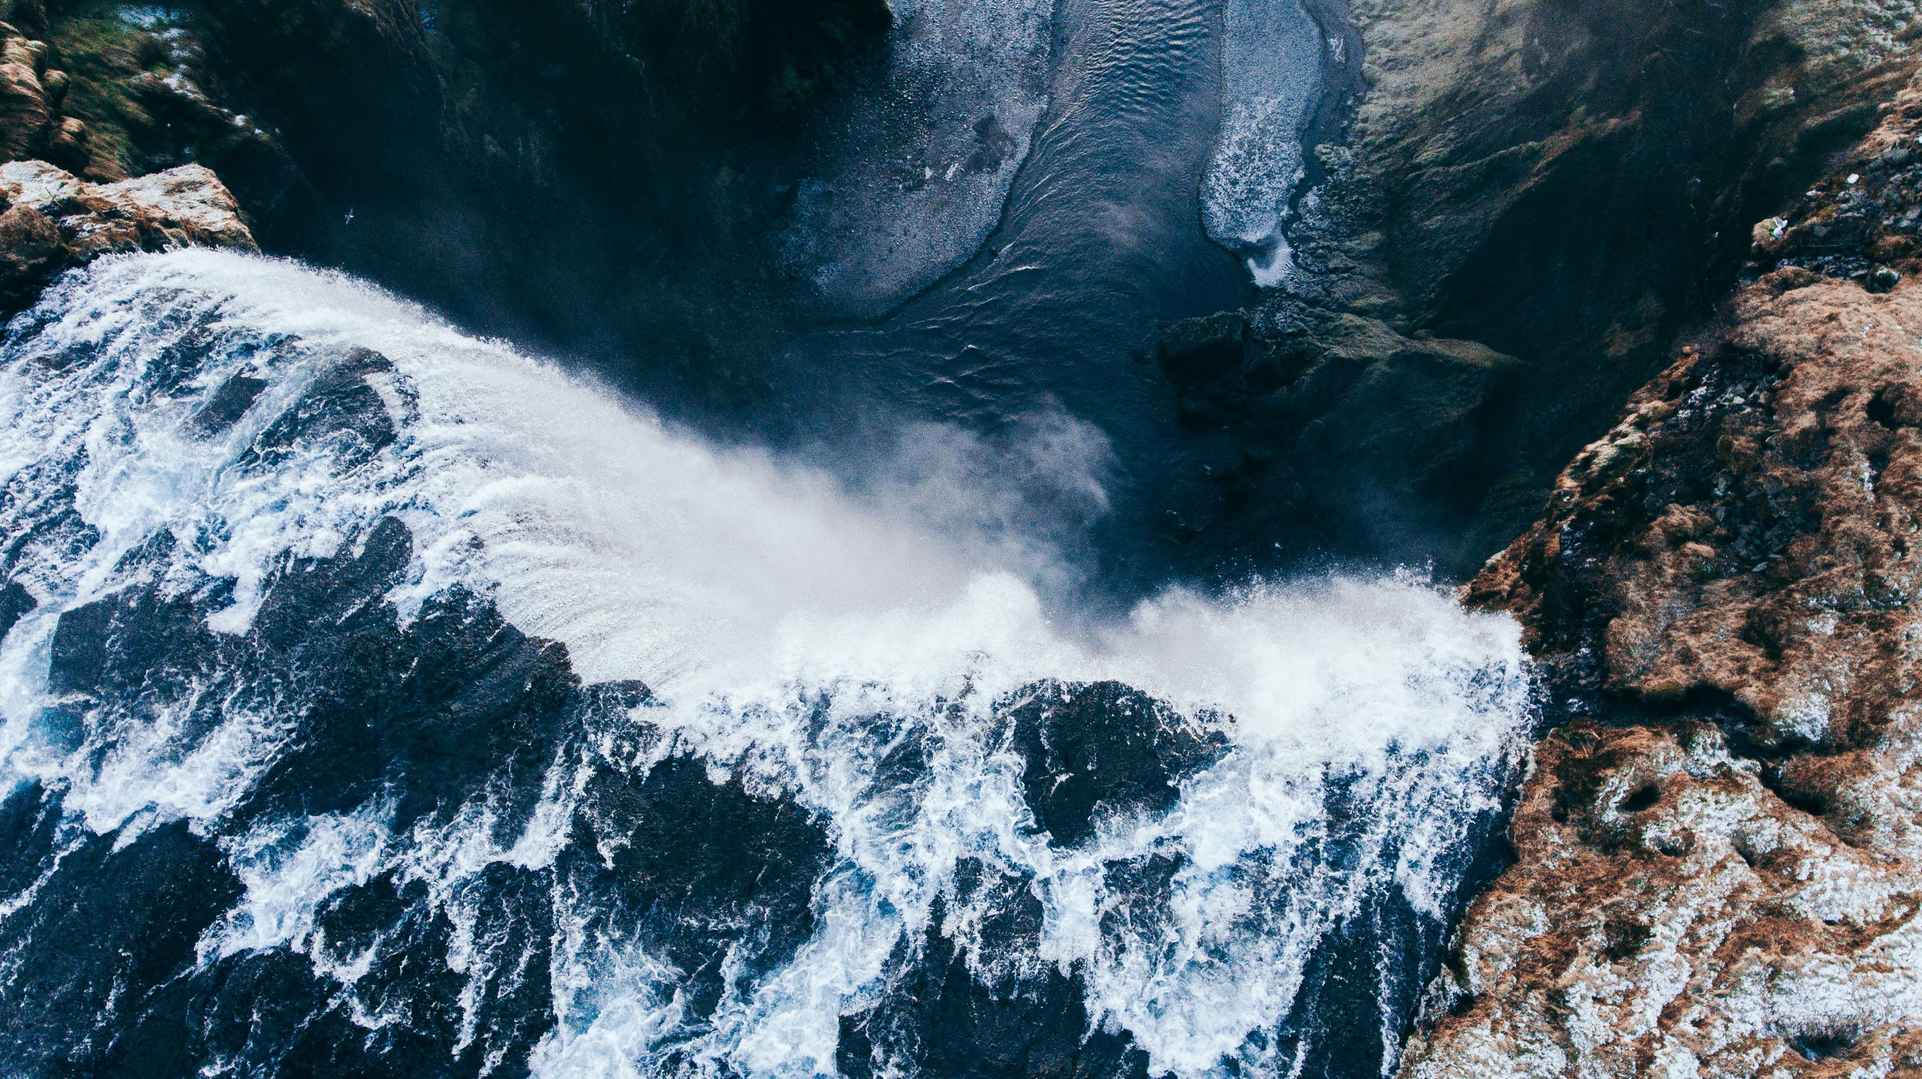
{"x":1719,"y":850}
{"x":1531,"y":199}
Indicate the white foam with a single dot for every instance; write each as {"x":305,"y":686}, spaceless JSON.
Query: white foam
{"x":778,"y":611}
{"x":1271,"y":81}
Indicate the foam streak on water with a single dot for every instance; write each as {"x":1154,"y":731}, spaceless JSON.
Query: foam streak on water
{"x":850,"y":654}
{"x":1271,"y":81}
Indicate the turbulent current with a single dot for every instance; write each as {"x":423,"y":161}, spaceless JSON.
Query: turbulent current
{"x":378,"y":700}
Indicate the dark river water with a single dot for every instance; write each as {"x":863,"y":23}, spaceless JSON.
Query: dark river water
{"x":1101,"y":243}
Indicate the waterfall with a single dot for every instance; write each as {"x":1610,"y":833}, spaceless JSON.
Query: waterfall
{"x":409,"y":701}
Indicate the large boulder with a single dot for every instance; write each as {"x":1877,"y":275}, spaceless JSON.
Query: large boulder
{"x":24,"y":109}
{"x":1102,"y":750}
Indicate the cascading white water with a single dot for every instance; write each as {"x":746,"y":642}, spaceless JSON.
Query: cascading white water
{"x":795,"y":629}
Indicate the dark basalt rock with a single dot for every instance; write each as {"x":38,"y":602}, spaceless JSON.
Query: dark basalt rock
{"x":110,"y":927}
{"x":1092,"y":750}
{"x":941,"y":1019}
{"x":457,"y":707}
{"x":697,"y":869}
{"x":340,"y":406}
{"x":228,"y":403}
{"x":15,"y":603}
{"x":1199,"y":350}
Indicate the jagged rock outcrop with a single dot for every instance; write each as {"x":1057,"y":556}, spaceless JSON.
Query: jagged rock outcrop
{"x":1719,"y":860}
{"x":1564,"y":184}
{"x":51,"y":220}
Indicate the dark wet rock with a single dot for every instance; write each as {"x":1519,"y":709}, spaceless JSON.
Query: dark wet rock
{"x":274,"y":1005}
{"x":1096,"y":749}
{"x":134,"y":640}
{"x":341,"y":408}
{"x":439,"y":711}
{"x":29,"y":833}
{"x":1336,"y":433}
{"x":1199,"y":350}
{"x":262,"y":1005}
{"x":110,"y":927}
{"x":228,"y":403}
{"x":456,"y":708}
{"x":698,"y":869}
{"x":939,"y":1018}
{"x":15,"y":603}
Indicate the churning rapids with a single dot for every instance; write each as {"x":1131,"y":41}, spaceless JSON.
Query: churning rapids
{"x":379,"y":700}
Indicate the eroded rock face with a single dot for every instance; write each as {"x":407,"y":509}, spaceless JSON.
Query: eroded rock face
{"x":24,"y":109}
{"x":1564,"y":185}
{"x":52,"y":220}
{"x":108,"y":91}
{"x":1671,"y":915}
{"x":1720,"y":860}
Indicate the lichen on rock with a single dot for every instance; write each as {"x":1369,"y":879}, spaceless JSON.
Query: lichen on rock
{"x":1719,"y":859}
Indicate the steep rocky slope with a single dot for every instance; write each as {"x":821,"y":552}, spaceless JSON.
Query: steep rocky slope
{"x":1532,"y":198}
{"x":1719,"y":857}
{"x":104,"y":121}
{"x":107,"y":91}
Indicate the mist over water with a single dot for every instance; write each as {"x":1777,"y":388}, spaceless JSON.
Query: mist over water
{"x":237,"y":488}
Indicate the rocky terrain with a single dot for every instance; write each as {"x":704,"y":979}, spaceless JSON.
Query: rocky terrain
{"x":106,"y":140}
{"x":52,"y":220}
{"x":1532,"y":197}
{"x":1719,"y":856}
{"x":109,"y":91}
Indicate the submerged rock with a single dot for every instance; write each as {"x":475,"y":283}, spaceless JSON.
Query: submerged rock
{"x":1095,"y":750}
{"x":1719,"y":865}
